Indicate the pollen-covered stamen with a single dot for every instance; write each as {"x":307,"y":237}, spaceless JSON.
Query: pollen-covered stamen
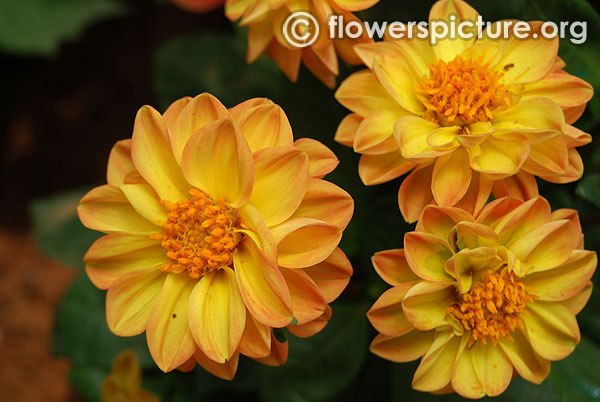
{"x":199,"y":235}
{"x":492,"y":308}
{"x":461,"y":92}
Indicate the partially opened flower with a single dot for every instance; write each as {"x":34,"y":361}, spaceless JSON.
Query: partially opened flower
{"x":266,"y":20}
{"x":220,"y":229}
{"x":465,"y":116}
{"x":479,"y":298}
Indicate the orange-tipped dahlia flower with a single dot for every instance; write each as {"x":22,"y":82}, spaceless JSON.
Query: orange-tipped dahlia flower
{"x":476,"y":298}
{"x":266,"y":18}
{"x":220,"y":231}
{"x":468,"y":117}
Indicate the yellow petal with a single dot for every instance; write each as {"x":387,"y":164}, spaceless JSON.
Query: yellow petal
{"x":564,"y":89}
{"x":415,"y":193}
{"x":171,"y":115}
{"x":332,"y":275}
{"x":368,"y":51}
{"x":218,"y":161}
{"x":375,"y":134}
{"x":500,"y":155}
{"x":346,"y":131}
{"x":532,"y":113}
{"x":451,"y":177}
{"x":262,"y":285}
{"x":107,"y":210}
{"x":386,"y":314}
{"x":323,"y":63}
{"x":392,"y":267}
{"x":169,"y":338}
{"x":117,"y":254}
{"x":468,"y":265}
{"x":530,"y":60}
{"x":435,"y":370}
{"x":573,"y":170}
{"x":394,"y":74}
{"x":258,"y":230}
{"x":304,"y":242}
{"x":521,"y":186}
{"x":482,"y":370}
{"x":143,"y":198}
{"x":235,"y":8}
{"x":327,"y":202}
{"x":545,"y":247}
{"x":308,"y":302}
{"x":130,"y":300}
{"x":404,"y":348}
{"x":447,"y":48}
{"x":426,"y":304}
{"x":550,"y":157}
{"x":239,"y":110}
{"x":411,"y":133}
{"x":552,"y":329}
{"x":225,"y":371}
{"x":439,"y":220}
{"x":279,"y":353}
{"x":566,"y":280}
{"x":152,"y":156}
{"x":363,"y":94}
{"x":281,"y":178}
{"x":321,"y":159}
{"x":266,"y":126}
{"x":288,"y":60}
{"x":119,"y":162}
{"x":528,"y":364}
{"x":256,"y":339}
{"x":473,"y":235}
{"x":513,"y":220}
{"x":576,"y":303}
{"x":354,"y":5}
{"x":426,"y":255}
{"x":260,"y":34}
{"x":217,"y":314}
{"x":477,"y":195}
{"x":377,"y":169}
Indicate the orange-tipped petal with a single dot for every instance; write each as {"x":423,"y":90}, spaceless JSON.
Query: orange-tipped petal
{"x":312,"y":327}
{"x":258,"y":230}
{"x":425,"y":304}
{"x":439,"y":220}
{"x":217,"y":160}
{"x":386,"y":314}
{"x":288,"y":60}
{"x":217,"y":314}
{"x":396,"y":77}
{"x":172,"y":113}
{"x":281,"y":178}
{"x":363,"y":94}
{"x":375,"y":134}
{"x":168,"y":334}
{"x":308,"y":302}
{"x":130,"y":300}
{"x":327,"y":202}
{"x":576,"y":303}
{"x":152,"y":156}
{"x":354,"y":5}
{"x":415,"y":193}
{"x":500,"y":155}
{"x":392,"y":267}
{"x":565,"y":89}
{"x":262,"y":285}
{"x":346,"y":131}
{"x":426,"y":255}
{"x":411,"y":133}
{"x":304,"y":242}
{"x":522,"y":186}
{"x":107,"y":210}
{"x":526,"y":362}
{"x":321,"y":159}
{"x":532,"y":114}
{"x":266,"y":126}
{"x":435,"y":370}
{"x":451,"y":177}
{"x":225,"y":371}
{"x":143,"y":198}
{"x":377,"y":169}
{"x":119,"y":162}
{"x":332,"y":275}
{"x":404,"y":348}
{"x":448,"y":48}
{"x":256,"y":339}
{"x":279,"y":353}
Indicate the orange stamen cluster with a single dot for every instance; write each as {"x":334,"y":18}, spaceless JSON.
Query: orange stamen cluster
{"x":199,"y":235}
{"x":491,"y":308}
{"x":461,"y":92}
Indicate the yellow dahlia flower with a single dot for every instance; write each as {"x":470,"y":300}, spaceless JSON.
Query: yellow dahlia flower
{"x":266,"y":18}
{"x":476,"y":298}
{"x":219,"y":229}
{"x":463,"y":115}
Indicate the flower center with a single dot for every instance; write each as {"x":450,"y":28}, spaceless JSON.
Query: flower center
{"x":199,"y":235}
{"x":461,"y":92}
{"x":491,"y":308}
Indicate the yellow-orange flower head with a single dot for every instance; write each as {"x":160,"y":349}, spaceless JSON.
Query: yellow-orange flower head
{"x":466,"y":117}
{"x":219,"y":230}
{"x":477,"y":298}
{"x":266,"y":23}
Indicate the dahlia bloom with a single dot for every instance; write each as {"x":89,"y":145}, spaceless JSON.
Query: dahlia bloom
{"x":265,"y":20}
{"x":198,"y":6}
{"x":467,"y":117}
{"x":220,"y":230}
{"x":476,"y":298}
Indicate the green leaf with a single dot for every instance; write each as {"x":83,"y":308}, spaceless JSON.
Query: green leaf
{"x":57,"y":229}
{"x":87,"y":381}
{"x":589,"y":189}
{"x":577,"y":377}
{"x":81,"y":333}
{"x":321,"y":366}
{"x":38,"y":27}
{"x":190,"y":65}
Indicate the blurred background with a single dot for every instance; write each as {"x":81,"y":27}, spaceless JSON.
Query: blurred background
{"x":73,"y":73}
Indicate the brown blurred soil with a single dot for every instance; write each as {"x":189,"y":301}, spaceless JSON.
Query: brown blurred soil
{"x":30,"y":288}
